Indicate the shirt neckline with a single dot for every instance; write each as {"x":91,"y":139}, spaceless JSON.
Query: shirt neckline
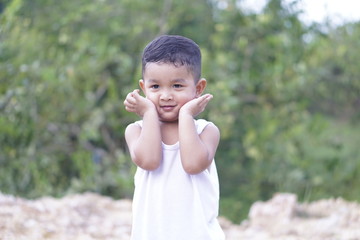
{"x":170,"y":147}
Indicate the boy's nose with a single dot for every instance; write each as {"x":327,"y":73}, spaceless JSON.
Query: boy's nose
{"x":166,"y":95}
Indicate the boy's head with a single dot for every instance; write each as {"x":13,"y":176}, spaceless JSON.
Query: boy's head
{"x":172,"y":49}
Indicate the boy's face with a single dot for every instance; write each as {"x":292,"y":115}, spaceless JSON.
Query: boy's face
{"x":169,"y":88}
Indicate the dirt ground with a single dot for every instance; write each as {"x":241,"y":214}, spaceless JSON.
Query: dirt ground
{"x":93,"y":217}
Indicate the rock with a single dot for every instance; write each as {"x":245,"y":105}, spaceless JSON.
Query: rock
{"x":91,"y":216}
{"x":282,"y":217}
{"x":82,"y":216}
{"x":281,"y":207}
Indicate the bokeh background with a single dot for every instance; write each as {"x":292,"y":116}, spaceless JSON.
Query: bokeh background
{"x":286,"y":96}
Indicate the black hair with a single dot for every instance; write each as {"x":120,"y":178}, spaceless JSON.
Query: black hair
{"x":178,"y":50}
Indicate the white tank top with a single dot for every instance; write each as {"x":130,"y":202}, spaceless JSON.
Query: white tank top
{"x":170,"y":204}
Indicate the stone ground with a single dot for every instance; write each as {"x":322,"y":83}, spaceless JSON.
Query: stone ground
{"x":90,"y":216}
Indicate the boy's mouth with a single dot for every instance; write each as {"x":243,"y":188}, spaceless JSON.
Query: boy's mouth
{"x":167,"y":107}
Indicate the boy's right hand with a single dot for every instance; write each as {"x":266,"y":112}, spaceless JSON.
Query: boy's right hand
{"x":136,"y":103}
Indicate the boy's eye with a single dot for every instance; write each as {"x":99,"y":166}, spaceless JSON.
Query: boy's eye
{"x":177,"y":85}
{"x":155,"y":86}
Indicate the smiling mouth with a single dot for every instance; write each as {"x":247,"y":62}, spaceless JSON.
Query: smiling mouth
{"x":167,"y":107}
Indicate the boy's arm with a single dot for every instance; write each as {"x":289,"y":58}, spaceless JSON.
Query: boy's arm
{"x":197,"y":151}
{"x":144,"y":142}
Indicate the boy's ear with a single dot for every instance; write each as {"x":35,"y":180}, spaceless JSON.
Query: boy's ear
{"x":200,"y":86}
{"x":142,"y":85}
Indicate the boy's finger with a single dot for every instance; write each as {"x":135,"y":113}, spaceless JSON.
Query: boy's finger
{"x":128,"y":97}
{"x":206,"y":97}
{"x":136,"y":93}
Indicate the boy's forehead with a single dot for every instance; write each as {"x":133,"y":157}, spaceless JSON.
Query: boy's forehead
{"x":172,"y":75}
{"x":153,"y":70}
{"x":156,"y":68}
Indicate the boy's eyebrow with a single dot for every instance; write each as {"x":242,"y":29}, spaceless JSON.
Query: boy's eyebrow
{"x":176,"y":80}
{"x":151,"y":80}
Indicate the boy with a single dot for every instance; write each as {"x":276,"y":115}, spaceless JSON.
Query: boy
{"x":176,"y":184}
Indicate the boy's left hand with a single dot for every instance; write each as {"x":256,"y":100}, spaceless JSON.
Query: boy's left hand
{"x":196,"y":106}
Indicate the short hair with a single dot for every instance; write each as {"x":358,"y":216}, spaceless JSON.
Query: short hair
{"x":174,"y":49}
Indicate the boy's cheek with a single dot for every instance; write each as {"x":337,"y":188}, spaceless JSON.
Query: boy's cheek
{"x":152,"y":100}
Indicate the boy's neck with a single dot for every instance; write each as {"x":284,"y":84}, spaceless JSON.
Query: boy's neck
{"x":169,"y":132}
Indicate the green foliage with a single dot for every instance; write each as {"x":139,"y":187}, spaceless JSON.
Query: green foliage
{"x":286,"y":96}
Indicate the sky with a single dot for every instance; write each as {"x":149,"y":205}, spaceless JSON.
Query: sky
{"x":337,"y":11}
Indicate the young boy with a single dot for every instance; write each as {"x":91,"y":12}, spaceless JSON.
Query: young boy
{"x":176,"y":184}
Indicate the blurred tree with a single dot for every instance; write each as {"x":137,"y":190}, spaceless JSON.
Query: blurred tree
{"x":260,"y":58}
{"x":66,"y":67}
{"x":336,"y":89}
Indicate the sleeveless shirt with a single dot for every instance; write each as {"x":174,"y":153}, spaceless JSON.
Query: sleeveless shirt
{"x":170,"y":204}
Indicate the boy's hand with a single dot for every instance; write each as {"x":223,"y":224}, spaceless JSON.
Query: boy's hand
{"x":136,"y":103}
{"x":197,"y":105}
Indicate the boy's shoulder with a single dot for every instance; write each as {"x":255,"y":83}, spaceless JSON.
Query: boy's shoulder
{"x":137,"y":123}
{"x":132,"y":127}
{"x":202,"y":124}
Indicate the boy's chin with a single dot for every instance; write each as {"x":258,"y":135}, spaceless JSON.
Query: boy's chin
{"x":169,"y":120}
{"x":168,"y":117}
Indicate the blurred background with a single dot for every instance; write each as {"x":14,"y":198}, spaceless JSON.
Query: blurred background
{"x":286,"y":96}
